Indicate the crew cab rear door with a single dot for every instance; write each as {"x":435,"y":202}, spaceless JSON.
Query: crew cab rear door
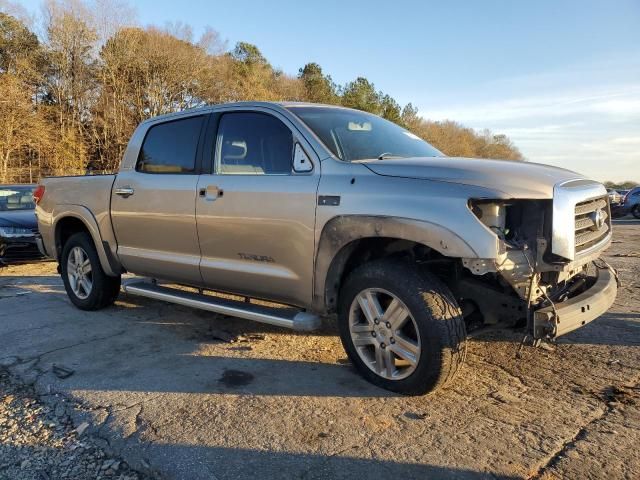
{"x":153,"y":204}
{"x":256,"y":209}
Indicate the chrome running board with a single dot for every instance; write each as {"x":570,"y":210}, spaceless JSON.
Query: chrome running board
{"x":280,"y":317}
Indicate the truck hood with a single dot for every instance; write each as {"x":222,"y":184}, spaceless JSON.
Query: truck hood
{"x":513,"y":179}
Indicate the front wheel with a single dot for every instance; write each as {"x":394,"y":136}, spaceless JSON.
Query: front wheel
{"x":401,"y":327}
{"x":87,"y":286}
{"x":636,"y":211}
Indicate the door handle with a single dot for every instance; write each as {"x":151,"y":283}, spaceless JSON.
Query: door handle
{"x":210,"y":193}
{"x":124,"y":191}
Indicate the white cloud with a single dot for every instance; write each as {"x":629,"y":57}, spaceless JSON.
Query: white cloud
{"x":627,"y":140}
{"x":562,"y":118}
{"x":622,"y":100}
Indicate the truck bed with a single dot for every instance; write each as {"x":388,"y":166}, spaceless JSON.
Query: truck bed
{"x":89,"y":194}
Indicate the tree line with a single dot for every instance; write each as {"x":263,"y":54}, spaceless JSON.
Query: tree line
{"x":628,"y":185}
{"x":71,"y":95}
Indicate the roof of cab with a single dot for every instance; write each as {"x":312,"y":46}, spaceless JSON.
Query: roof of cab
{"x":211,"y":107}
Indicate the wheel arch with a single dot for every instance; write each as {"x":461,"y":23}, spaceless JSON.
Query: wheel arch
{"x":75,"y":219}
{"x":348,"y":241}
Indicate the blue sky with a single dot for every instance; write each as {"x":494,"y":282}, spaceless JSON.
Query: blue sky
{"x":561,"y":78}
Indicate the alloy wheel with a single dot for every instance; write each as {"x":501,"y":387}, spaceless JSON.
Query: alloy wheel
{"x":79,"y":273}
{"x":384,"y":333}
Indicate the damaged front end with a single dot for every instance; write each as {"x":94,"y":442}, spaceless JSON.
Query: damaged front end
{"x":547,"y":274}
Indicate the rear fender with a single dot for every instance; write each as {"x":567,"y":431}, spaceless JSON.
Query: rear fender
{"x":109,"y":263}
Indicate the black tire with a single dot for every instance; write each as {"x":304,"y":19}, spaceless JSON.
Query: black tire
{"x":434,"y":310}
{"x":635,"y":211}
{"x":104,"y":290}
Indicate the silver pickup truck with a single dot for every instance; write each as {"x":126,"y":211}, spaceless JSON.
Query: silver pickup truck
{"x":331,"y":210}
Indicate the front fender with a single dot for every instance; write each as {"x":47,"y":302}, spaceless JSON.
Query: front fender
{"x":342,"y":230}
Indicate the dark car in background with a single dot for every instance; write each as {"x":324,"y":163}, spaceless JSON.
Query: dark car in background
{"x":629,"y":205}
{"x":631,"y":202}
{"x":18,"y":225}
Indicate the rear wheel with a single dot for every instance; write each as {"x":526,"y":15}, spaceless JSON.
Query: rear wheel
{"x":86,"y":283}
{"x":401,"y":327}
{"x":636,"y":211}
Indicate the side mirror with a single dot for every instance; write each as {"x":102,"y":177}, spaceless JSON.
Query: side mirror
{"x":301,"y":162}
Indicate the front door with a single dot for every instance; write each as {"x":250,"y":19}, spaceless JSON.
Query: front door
{"x":153,"y":206}
{"x":255,"y":213}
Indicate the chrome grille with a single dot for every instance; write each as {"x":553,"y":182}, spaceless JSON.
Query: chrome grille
{"x":592,"y":223}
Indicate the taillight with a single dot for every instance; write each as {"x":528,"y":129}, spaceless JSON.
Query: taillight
{"x":38,"y":193}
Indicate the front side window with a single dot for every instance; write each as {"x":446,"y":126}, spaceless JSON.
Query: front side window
{"x":353,"y":135}
{"x":171,"y":147}
{"x":252,"y":143}
{"x":16,"y":198}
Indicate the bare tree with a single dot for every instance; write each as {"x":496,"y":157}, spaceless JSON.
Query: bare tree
{"x":17,"y":11}
{"x":109,"y":16}
{"x":71,"y":81}
{"x":22,"y":127}
{"x":211,"y":42}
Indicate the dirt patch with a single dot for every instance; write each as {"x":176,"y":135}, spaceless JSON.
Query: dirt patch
{"x":38,"y":442}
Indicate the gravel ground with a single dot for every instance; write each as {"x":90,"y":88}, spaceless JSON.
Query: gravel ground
{"x":178,"y":393}
{"x":38,"y":442}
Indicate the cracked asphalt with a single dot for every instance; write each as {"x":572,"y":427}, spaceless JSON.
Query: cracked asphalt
{"x":183,"y":394}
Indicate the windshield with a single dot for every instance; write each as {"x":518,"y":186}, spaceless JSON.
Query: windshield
{"x":353,"y":135}
{"x":16,"y":198}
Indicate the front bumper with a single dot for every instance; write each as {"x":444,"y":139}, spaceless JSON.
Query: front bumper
{"x":579,"y":310}
{"x":19,"y":250}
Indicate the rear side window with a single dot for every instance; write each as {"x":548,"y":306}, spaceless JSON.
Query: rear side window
{"x":171,"y":147}
{"x":254,"y":144}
